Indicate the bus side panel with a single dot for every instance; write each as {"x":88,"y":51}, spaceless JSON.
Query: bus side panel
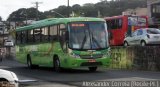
{"x":20,"y":54}
{"x":41,"y":54}
{"x":57,"y":50}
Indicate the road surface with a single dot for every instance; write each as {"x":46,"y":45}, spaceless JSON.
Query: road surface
{"x":46,"y":77}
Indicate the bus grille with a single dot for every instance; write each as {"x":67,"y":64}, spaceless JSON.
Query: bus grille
{"x":91,"y":64}
{"x":89,"y":56}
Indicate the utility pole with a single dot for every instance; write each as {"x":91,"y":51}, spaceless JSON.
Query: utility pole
{"x":37,"y":5}
{"x":68,"y":9}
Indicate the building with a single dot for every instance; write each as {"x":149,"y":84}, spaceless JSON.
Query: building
{"x":2,"y":27}
{"x":152,"y":11}
{"x":153,"y":7}
{"x":137,"y":11}
{"x":3,"y":32}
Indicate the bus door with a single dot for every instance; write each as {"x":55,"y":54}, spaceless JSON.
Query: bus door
{"x":63,"y":38}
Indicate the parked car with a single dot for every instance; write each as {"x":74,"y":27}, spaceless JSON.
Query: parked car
{"x":8,"y":43}
{"x":143,"y":36}
{"x":8,"y":79}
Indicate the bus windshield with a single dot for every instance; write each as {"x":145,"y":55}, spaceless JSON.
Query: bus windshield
{"x":88,"y":35}
{"x":137,"y":21}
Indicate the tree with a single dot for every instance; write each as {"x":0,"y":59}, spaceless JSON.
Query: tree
{"x":116,"y":7}
{"x":89,"y":10}
{"x":77,"y":10}
{"x":103,"y":8}
{"x":23,"y":14}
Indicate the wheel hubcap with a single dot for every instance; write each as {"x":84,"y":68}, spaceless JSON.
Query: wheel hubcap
{"x":125,"y":44}
{"x":143,"y":44}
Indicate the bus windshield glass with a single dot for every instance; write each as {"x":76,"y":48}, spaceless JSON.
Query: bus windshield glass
{"x":88,"y":35}
{"x":137,"y":21}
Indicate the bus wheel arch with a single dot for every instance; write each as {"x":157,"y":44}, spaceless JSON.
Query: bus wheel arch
{"x":3,"y":79}
{"x":126,"y":43}
{"x":56,"y":63}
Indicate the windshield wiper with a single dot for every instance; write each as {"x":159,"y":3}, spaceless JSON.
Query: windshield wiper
{"x":94,"y":40}
{"x":84,"y":40}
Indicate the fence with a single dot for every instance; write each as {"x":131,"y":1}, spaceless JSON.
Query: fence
{"x":136,"y":57}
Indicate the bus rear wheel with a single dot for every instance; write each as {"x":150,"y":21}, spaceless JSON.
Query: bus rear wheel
{"x":57,"y":67}
{"x":92,"y":69}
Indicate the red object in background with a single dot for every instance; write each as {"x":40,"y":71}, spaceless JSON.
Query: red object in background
{"x":119,"y":26}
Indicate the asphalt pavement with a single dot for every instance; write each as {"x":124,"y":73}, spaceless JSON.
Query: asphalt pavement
{"x":47,"y":77}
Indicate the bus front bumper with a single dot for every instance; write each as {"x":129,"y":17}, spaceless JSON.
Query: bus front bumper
{"x":78,"y":62}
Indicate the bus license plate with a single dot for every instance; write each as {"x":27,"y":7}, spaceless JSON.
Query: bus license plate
{"x":92,"y":60}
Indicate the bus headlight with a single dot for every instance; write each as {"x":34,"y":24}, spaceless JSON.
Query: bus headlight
{"x":75,"y":55}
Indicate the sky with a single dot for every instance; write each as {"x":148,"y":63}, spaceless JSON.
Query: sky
{"x":8,"y":6}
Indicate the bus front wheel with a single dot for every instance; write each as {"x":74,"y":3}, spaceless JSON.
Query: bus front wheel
{"x":92,"y":69}
{"x":143,"y":43}
{"x":126,"y":44}
{"x":57,"y":67}
{"x":29,"y":62}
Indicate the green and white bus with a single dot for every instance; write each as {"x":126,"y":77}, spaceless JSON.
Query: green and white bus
{"x":64,"y":43}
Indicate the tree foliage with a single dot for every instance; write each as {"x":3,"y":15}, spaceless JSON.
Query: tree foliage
{"x":103,"y":8}
{"x":25,"y":14}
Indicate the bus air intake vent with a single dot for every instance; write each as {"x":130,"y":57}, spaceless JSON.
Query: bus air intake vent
{"x":91,"y":64}
{"x":91,"y":57}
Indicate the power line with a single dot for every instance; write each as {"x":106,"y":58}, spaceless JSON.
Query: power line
{"x":37,"y":6}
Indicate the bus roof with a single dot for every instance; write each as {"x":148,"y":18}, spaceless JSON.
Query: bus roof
{"x":53,"y":21}
{"x":121,"y":16}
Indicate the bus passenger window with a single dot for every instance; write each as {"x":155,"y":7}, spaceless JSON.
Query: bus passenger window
{"x":114,"y":24}
{"x":37,"y":34}
{"x":53,"y":33}
{"x":44,"y":34}
{"x":23,"y":36}
{"x":108,"y":24}
{"x":119,"y":23}
{"x":62,"y":37}
{"x":30,"y":36}
{"x":18,"y":37}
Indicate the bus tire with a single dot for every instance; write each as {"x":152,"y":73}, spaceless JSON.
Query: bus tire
{"x":143,"y":43}
{"x":92,"y":69}
{"x":56,"y":64}
{"x":126,"y":43}
{"x":29,"y":62}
